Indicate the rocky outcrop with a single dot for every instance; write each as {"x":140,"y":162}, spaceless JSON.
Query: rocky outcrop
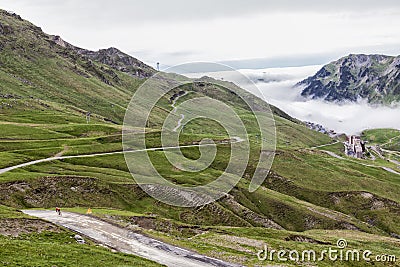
{"x":59,"y":41}
{"x":111,"y":57}
{"x":375,"y":78}
{"x":122,"y":62}
{"x":5,"y":29}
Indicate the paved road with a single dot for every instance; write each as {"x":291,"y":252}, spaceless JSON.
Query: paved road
{"x":360,"y":163}
{"x":390,"y":170}
{"x":329,"y":144}
{"x":179,"y":123}
{"x":234,"y":140}
{"x":364,"y":164}
{"x":390,"y":140}
{"x":128,"y":242}
{"x":392,"y":152}
{"x":174,"y":111}
{"x":332,"y":154}
{"x":376,"y":150}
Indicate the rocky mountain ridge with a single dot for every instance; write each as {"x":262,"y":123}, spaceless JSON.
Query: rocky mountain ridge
{"x":375,"y":78}
{"x":112,"y":57}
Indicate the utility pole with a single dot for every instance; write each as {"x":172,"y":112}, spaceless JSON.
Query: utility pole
{"x":88,"y":117}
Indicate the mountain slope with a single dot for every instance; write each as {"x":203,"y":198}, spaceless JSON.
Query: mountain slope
{"x":375,"y":78}
{"x":51,"y":84}
{"x":40,"y":72}
{"x":46,"y":88}
{"x":44,"y":74}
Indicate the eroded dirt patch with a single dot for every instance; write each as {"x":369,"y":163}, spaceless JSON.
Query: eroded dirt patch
{"x":305,"y":239}
{"x":16,"y":227}
{"x":49,"y":192}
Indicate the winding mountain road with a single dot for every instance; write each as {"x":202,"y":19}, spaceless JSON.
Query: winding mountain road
{"x":60,"y":157}
{"x":329,"y":144}
{"x":4,"y":170}
{"x":360,"y":163}
{"x":332,"y":154}
{"x":179,"y":123}
{"x":173,"y":105}
{"x":126,"y":241}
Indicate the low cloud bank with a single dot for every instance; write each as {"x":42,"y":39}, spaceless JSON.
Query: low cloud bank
{"x":276,"y":85}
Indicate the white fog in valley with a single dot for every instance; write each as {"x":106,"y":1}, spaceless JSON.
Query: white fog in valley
{"x":258,"y":34}
{"x":277,"y":87}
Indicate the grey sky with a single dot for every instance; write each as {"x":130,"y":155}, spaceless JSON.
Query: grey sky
{"x":273,"y":33}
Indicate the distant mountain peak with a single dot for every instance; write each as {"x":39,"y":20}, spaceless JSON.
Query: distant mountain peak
{"x":375,"y":78}
{"x":13,"y":28}
{"x":112,"y":50}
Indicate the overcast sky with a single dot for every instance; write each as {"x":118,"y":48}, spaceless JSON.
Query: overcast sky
{"x":245,"y":34}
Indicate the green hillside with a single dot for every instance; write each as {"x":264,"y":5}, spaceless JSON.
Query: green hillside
{"x":47,"y":87}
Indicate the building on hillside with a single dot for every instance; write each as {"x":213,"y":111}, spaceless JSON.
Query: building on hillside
{"x":355,"y":146}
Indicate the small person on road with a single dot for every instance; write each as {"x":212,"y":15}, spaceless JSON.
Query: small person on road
{"x":58,"y":210}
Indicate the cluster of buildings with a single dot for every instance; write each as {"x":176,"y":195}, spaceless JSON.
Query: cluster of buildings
{"x":319,"y":128}
{"x":354,"y":146}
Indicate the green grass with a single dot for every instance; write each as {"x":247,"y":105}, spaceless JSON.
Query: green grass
{"x":387,"y":138}
{"x":11,"y":213}
{"x":241,"y":244}
{"x":11,"y":159}
{"x":337,"y":175}
{"x":337,"y":148}
{"x":290,"y":135}
{"x":46,"y":91}
{"x":10,"y":132}
{"x":60,"y":249}
{"x":104,"y":183}
{"x":88,"y":130}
